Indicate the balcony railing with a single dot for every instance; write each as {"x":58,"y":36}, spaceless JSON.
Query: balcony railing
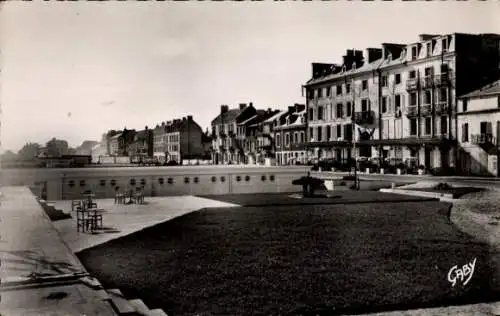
{"x":442,"y":79}
{"x":411,"y":111}
{"x":425,"y":110}
{"x":364,"y":117}
{"x":441,"y":107}
{"x":484,"y":138}
{"x":427,"y":82}
{"x":412,"y":84}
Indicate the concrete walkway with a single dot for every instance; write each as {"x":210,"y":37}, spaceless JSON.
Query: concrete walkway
{"x":33,"y":254}
{"x":121,"y":220}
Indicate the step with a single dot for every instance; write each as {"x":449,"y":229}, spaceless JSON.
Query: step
{"x":120,"y":303}
{"x":103,"y":294}
{"x":157,"y":312}
{"x":139,"y":307}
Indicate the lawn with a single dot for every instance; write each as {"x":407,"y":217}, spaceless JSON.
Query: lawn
{"x":297,"y":260}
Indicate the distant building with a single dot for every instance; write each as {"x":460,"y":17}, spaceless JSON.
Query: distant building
{"x":206,"y":142}
{"x":227,"y":147}
{"x":479,"y":130}
{"x":142,"y":146}
{"x":56,"y":148}
{"x":119,"y":141}
{"x":178,"y":140}
{"x":257,"y":138}
{"x":290,"y":129}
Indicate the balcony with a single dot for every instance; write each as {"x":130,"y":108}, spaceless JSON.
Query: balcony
{"x":441,"y":107}
{"x":427,"y":82}
{"x":363,"y":118}
{"x":484,"y":138}
{"x":411,"y":111}
{"x":442,"y":79}
{"x":412,"y":84}
{"x":425,"y":110}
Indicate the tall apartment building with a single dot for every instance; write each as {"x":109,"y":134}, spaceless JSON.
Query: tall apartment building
{"x":290,"y":128}
{"x":178,"y":140}
{"x":398,"y":101}
{"x":228,"y":139}
{"x":256,"y":137}
{"x":479,"y":130}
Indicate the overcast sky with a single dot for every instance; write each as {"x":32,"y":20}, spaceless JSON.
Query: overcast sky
{"x":75,"y":70}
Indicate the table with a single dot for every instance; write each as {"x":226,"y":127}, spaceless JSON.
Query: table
{"x":89,"y":219}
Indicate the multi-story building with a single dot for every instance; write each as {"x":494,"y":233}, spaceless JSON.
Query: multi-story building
{"x":290,"y":129}
{"x":228,"y":139}
{"x":256,"y":137}
{"x":178,"y":140}
{"x":142,"y":146}
{"x":479,"y":130}
{"x":398,"y":101}
{"x":57,"y":148}
{"x":119,"y":141}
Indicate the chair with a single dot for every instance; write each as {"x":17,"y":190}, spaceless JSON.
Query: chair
{"x":75,"y":204}
{"x":83,"y":221}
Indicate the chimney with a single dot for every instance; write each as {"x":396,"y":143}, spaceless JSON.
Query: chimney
{"x":190,"y":117}
{"x":184,"y":119}
{"x":146,"y":127}
{"x":162,"y":123}
{"x":291,"y":109}
{"x":373,"y":54}
{"x":242,"y":106}
{"x":224,"y":108}
{"x":250,"y":104}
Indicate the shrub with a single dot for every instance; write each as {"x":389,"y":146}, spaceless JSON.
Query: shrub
{"x":421,"y":167}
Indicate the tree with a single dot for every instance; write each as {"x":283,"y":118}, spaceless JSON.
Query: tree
{"x":9,"y":155}
{"x":29,"y":151}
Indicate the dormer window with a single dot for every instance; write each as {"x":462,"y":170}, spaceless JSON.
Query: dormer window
{"x":344,"y":69}
{"x":389,"y":57}
{"x":353,"y":65}
{"x":444,"y":44}
{"x":429,"y":49}
{"x":414,"y":52}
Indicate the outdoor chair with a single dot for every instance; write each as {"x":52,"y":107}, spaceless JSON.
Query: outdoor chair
{"x":119,"y":198}
{"x":75,"y":204}
{"x":83,"y":221}
{"x":139,"y":197}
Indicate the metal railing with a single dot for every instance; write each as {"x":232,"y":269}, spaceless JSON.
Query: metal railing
{"x":441,"y":107}
{"x":425,"y":110}
{"x":411,"y":111}
{"x":412,"y":84}
{"x":484,"y":138}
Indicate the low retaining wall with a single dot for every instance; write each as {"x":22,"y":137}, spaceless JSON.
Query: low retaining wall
{"x":62,"y":184}
{"x":436,"y":195}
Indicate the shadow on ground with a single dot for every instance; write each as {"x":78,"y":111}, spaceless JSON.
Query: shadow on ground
{"x":323,"y":259}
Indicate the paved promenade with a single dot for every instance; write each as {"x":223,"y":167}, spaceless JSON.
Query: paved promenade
{"x":121,"y":220}
{"x":38,"y":271}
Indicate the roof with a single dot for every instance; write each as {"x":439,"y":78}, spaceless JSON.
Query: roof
{"x":230,"y":115}
{"x":490,"y":89}
{"x":367,"y":67}
{"x":116,"y":136}
{"x":276,"y":116}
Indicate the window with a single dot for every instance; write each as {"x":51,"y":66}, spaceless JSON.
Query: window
{"x":384,"y":104}
{"x":364,"y":84}
{"x":328,"y":133}
{"x":339,"y":131}
{"x":428,"y":126}
{"x":263,"y":177}
{"x":247,"y":178}
{"x":71,"y":183}
{"x":348,"y":132}
{"x":384,"y":81}
{"x":429,"y":49}
{"x":287,"y":139}
{"x":412,"y":74}
{"x":464,"y":105}
{"x":444,"y":125}
{"x":278,"y":140}
{"x":465,"y":132}
{"x":102,"y":183}
{"x":311,"y":133}
{"x":498,"y":101}
{"x":364,"y":105}
{"x":320,"y":92}
{"x":414,"y":52}
{"x":397,"y":101}
{"x":413,"y":127}
{"x":339,"y":110}
{"x":339,"y":89}
{"x":320,"y":113}
{"x":320,"y":136}
{"x":427,"y":97}
{"x":310,"y":94}
{"x":397,"y":78}
{"x":296,"y":138}
{"x":302,"y":137}
{"x":328,"y":91}
{"x":348,"y":87}
{"x":444,"y":44}
{"x":443,"y":95}
{"x":311,"y":114}
{"x":348,"y":108}
{"x":413,"y":98}
{"x":428,"y":71}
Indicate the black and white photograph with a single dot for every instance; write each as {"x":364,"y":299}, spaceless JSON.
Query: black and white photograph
{"x":249,"y":158}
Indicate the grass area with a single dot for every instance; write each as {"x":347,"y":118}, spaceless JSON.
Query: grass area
{"x":297,"y":260}
{"x":456,"y":191}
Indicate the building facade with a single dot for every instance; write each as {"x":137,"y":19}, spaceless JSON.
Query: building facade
{"x":290,"y":136}
{"x":228,"y":134}
{"x":178,"y":140}
{"x":256,"y":137}
{"x":398,"y":102}
{"x":142,"y":145}
{"x":479,"y":130}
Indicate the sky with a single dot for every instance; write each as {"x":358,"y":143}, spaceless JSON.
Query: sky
{"x":73,"y":70}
